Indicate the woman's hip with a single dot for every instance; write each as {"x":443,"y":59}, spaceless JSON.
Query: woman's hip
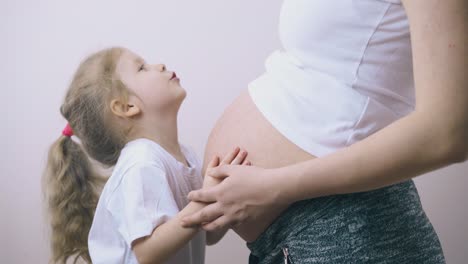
{"x":387,"y":225}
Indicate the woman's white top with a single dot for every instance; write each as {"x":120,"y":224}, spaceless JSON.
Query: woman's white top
{"x":148,"y":186}
{"x":345,"y":71}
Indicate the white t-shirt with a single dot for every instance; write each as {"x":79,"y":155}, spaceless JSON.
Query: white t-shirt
{"x":345,"y":71}
{"x":148,"y":186}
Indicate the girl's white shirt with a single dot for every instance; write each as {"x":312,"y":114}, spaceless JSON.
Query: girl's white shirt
{"x":148,"y":186}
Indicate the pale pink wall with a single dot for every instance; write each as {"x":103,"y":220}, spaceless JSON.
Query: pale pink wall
{"x":215,"y":46}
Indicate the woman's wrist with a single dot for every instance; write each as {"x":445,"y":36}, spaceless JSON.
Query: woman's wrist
{"x":281,"y":185}
{"x":304,"y":180}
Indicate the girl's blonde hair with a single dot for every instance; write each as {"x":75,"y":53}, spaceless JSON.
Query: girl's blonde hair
{"x":71,"y":184}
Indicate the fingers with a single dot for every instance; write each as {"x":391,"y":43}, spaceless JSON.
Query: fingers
{"x":220,"y":172}
{"x":236,"y":157}
{"x":220,"y":223}
{"x":205,"y":215}
{"x":214,"y":162}
{"x":247,"y":163}
{"x":231,"y":156}
{"x":240,"y":158}
{"x":203,"y":195}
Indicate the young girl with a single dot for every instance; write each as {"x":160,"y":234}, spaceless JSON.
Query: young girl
{"x":124,"y":112}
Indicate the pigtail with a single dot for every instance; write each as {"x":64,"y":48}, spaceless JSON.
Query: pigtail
{"x":70,"y":186}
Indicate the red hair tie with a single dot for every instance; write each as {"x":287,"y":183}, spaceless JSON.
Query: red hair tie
{"x":67,"y":131}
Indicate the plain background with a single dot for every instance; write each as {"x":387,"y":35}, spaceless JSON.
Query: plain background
{"x":216,"y":47}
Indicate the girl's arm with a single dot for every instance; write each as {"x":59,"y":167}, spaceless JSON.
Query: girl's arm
{"x":212,"y":237}
{"x":169,"y":237}
{"x":433,"y":136}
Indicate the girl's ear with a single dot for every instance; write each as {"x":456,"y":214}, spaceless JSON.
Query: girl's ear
{"x":124,"y":109}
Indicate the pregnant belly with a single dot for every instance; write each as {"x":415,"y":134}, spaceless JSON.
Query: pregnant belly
{"x":243,"y":125}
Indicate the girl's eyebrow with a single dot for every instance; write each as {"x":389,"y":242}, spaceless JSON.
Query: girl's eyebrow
{"x":138,"y":61}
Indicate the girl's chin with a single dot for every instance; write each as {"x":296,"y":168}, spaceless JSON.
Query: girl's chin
{"x":181,"y":96}
{"x":183,"y":93}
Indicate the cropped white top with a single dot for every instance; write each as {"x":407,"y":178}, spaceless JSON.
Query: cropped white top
{"x":345,"y":71}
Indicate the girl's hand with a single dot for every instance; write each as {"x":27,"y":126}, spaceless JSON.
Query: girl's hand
{"x":245,"y":194}
{"x":236,"y":157}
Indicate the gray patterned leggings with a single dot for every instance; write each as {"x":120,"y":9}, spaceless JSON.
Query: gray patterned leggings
{"x":387,"y":225}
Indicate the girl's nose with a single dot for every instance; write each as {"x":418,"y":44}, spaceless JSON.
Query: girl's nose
{"x":161,"y":67}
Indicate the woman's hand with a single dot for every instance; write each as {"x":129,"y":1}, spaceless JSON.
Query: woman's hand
{"x":236,"y":157}
{"x":246,"y":193}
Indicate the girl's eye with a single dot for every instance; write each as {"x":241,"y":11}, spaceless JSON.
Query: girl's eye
{"x":142,"y":67}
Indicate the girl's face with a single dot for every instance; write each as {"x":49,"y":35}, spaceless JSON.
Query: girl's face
{"x":157,"y":88}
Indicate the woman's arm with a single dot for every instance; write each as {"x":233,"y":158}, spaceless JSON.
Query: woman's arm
{"x":431,"y":137}
{"x":434,"y":135}
{"x":169,"y":237}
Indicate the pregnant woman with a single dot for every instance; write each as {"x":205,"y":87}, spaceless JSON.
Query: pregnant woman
{"x":347,"y":113}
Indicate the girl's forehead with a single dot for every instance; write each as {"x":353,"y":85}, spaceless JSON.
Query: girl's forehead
{"x":130,"y":57}
{"x":127,"y":60}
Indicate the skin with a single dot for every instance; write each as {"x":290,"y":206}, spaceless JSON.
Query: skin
{"x":409,"y":147}
{"x":155,"y":99}
{"x":151,"y":112}
{"x":230,"y":130}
